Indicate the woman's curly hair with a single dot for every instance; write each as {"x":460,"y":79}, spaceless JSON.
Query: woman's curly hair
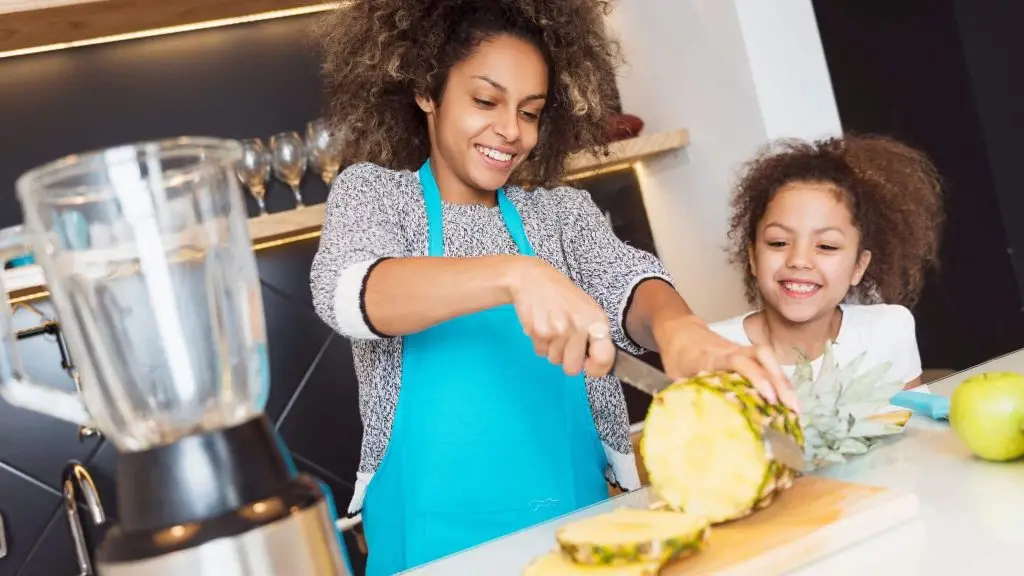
{"x":380,"y":54}
{"x":893,"y":192}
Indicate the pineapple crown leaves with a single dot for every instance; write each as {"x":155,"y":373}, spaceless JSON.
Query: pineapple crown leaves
{"x":836,"y":406}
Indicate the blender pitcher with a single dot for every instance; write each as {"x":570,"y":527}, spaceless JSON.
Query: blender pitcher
{"x":149,"y":264}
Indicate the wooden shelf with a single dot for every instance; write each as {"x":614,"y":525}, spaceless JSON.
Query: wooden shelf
{"x":631,"y":150}
{"x":27,"y":282}
{"x":31,"y":25}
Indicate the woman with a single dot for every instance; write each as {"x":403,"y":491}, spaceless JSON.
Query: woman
{"x":474,"y":305}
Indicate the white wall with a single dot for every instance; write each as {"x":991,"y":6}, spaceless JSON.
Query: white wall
{"x":735,"y":73}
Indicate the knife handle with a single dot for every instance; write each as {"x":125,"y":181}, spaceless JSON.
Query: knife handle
{"x":932,"y":405}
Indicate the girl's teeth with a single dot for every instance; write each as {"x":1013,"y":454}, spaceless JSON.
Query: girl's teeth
{"x":800,"y":287}
{"x":490,"y":153}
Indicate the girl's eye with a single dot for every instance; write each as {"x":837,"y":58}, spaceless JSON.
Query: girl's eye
{"x":483,"y":103}
{"x":531,"y":116}
{"x":828,"y":247}
{"x":777,"y":243}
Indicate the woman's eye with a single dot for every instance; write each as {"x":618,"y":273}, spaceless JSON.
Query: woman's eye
{"x":483,"y":103}
{"x":531,"y":116}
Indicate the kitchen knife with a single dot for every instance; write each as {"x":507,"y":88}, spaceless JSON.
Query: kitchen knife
{"x":639,"y":374}
{"x":784,"y":449}
{"x":933,"y":406}
{"x":647,"y":378}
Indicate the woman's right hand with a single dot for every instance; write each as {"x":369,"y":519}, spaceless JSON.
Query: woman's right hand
{"x":567,"y":326}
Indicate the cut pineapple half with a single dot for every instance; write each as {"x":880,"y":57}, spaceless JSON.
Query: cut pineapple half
{"x":630,"y":536}
{"x":704,"y":450}
{"x":558,"y":564}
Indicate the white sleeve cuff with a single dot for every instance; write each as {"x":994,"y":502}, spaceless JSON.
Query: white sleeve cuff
{"x":623,"y":469}
{"x":349,"y":308}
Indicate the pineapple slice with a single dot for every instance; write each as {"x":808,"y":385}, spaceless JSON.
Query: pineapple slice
{"x":558,"y":564}
{"x":630,"y":536}
{"x":704,"y":451}
{"x":895,"y":417}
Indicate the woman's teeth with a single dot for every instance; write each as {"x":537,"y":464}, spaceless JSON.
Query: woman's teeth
{"x":495,"y":154}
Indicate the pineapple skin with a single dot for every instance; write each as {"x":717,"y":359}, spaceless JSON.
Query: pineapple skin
{"x":757,"y":413}
{"x":659,"y":552}
{"x":558,"y":564}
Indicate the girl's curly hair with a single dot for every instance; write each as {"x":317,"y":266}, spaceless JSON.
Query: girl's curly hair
{"x":380,"y":54}
{"x":893,"y":192}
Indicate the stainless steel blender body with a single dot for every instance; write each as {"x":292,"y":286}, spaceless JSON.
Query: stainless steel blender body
{"x":298,"y":545}
{"x":147,"y":257}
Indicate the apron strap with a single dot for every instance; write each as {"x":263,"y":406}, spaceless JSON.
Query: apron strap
{"x":514,"y":223}
{"x":432,"y":200}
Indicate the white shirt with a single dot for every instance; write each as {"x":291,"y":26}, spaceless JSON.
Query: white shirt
{"x":884,"y":331}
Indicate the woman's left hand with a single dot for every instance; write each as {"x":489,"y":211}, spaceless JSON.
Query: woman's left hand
{"x":688,"y":347}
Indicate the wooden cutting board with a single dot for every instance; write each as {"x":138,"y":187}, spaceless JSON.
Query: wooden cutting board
{"x":815,"y":518}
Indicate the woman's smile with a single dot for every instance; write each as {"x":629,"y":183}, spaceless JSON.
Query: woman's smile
{"x":500,"y":158}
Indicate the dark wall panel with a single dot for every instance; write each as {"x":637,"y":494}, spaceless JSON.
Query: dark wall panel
{"x":993,"y":50}
{"x":900,"y":68}
{"x":239,"y":81}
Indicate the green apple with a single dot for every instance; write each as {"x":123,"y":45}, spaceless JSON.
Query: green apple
{"x":987,"y":413}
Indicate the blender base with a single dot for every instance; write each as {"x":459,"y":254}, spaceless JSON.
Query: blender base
{"x":226,"y":503}
{"x":301,"y":544}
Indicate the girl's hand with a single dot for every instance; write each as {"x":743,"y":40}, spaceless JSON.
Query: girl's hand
{"x":567,"y":326}
{"x":688,"y":347}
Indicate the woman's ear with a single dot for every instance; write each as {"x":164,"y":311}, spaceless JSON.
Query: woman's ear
{"x":425,"y":103}
{"x":751,"y":261}
{"x":861,"y":267}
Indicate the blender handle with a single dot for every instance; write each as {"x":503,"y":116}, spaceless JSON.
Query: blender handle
{"x":15,"y":386}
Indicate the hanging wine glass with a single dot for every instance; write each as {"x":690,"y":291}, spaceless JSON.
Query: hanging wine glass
{"x":324,"y":149}
{"x":253,"y":170}
{"x":289,"y":161}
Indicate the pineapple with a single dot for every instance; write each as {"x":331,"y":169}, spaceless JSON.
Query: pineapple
{"x":630,"y":536}
{"x":704,"y":451}
{"x":703,"y":443}
{"x":558,"y":564}
{"x":842,"y":408}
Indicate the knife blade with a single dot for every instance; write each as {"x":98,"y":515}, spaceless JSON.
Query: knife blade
{"x":783,"y":449}
{"x":639,"y":374}
{"x":647,"y":378}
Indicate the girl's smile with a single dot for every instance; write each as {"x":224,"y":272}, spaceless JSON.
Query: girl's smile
{"x":799,"y":289}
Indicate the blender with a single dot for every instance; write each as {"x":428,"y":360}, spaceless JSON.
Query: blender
{"x":147,"y":256}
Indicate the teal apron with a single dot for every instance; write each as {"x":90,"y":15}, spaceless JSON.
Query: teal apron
{"x":488,"y":437}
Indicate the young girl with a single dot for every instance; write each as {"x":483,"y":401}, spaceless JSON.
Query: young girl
{"x":474,"y":304}
{"x":834,"y":238}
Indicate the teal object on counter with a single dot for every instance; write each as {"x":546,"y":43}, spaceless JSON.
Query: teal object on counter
{"x":23,"y":260}
{"x":933,"y":406}
{"x":488,"y":437}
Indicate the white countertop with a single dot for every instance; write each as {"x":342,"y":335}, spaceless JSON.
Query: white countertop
{"x":971,"y":521}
